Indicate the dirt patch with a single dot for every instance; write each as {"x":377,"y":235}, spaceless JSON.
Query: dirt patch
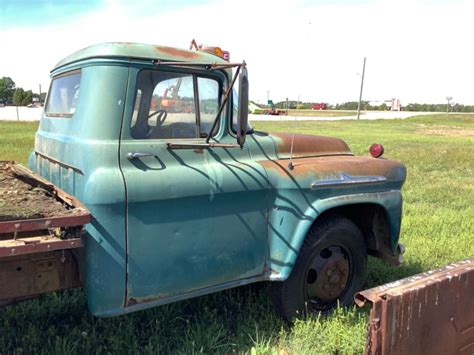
{"x":20,"y":199}
{"x":447,"y":131}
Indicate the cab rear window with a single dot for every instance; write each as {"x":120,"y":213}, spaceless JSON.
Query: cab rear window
{"x":63,"y":95}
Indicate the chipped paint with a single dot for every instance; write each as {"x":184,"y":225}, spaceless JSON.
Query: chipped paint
{"x":124,"y":50}
{"x":177,"y":52}
{"x":330,"y":167}
{"x":308,"y":145}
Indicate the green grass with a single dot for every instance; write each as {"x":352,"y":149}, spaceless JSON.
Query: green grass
{"x":437,"y":229}
{"x":17,"y":140}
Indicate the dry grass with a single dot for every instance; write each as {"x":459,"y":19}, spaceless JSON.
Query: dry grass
{"x":447,"y":131}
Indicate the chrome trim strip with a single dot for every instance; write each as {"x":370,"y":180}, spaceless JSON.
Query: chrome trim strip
{"x":55,"y":161}
{"x":345,"y":179}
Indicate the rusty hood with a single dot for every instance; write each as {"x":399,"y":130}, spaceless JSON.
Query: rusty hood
{"x":305,"y":145}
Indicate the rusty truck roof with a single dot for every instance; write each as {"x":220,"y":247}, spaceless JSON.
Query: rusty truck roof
{"x":139,"y":51}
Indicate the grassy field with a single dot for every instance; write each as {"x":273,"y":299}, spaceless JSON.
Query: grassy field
{"x":437,"y":229}
{"x":321,"y":113}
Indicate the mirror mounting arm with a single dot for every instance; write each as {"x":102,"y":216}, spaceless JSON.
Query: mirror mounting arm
{"x":226,"y":98}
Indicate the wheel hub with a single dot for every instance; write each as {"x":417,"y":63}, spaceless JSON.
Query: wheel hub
{"x":327,"y":276}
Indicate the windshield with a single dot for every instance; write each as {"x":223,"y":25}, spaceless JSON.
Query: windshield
{"x":174,"y":105}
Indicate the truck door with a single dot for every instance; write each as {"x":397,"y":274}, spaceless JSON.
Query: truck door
{"x":195,"y":217}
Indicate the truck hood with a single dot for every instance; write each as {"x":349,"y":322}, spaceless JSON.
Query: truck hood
{"x":308,"y":145}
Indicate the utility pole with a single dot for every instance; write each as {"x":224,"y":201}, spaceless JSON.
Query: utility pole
{"x":268,"y":96}
{"x":448,"y":98}
{"x":361,"y":87}
{"x":39,"y":94}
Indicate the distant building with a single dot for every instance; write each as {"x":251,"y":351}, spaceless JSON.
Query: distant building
{"x":396,"y":105}
{"x":392,"y":104}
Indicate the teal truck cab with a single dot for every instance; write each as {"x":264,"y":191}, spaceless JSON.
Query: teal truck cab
{"x":187,"y":199}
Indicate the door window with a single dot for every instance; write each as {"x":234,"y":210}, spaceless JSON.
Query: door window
{"x":174,"y":105}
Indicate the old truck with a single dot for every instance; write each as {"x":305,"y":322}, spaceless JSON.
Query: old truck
{"x":186,"y":198}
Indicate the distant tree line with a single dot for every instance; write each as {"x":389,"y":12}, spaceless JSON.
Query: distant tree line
{"x":365,"y":106}
{"x":11,"y":94}
{"x":439,"y":107}
{"x":351,"y":105}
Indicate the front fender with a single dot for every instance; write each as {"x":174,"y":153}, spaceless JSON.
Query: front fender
{"x":299,"y":195}
{"x":288,"y":226}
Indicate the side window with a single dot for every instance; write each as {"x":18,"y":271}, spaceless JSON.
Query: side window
{"x":63,"y":95}
{"x":166,"y":105}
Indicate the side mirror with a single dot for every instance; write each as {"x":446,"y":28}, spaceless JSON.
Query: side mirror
{"x":243,"y":108}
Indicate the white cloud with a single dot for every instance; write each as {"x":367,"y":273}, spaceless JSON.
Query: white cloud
{"x":416,"y":52}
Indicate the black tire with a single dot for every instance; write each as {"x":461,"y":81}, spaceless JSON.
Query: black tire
{"x":330,"y":268}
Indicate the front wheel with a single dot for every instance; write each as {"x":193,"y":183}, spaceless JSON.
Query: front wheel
{"x":330,"y":268}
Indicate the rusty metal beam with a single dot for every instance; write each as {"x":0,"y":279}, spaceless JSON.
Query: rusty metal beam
{"x":36,"y":244}
{"x":27,"y":276}
{"x":429,"y":313}
{"x":23,"y":225}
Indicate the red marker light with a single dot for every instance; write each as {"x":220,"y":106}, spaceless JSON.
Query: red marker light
{"x":376,"y":150}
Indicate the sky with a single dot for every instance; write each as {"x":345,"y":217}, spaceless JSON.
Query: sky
{"x":417,"y":50}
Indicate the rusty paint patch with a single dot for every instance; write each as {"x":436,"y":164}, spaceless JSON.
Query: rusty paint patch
{"x":309,"y":145}
{"x":328,"y":167}
{"x":177,"y":52}
{"x":429,"y":313}
{"x":139,"y":300}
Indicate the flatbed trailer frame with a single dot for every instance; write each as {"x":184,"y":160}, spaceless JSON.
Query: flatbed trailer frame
{"x":36,"y":253}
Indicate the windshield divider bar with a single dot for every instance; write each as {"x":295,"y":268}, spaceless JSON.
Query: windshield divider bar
{"x":197,"y":107}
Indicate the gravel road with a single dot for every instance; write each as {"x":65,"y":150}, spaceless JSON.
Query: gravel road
{"x":34,"y":114}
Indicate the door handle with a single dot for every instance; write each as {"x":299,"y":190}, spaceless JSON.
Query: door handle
{"x":134,"y":155}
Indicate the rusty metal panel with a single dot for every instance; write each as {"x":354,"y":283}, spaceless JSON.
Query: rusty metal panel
{"x":26,"y":276}
{"x":429,"y":313}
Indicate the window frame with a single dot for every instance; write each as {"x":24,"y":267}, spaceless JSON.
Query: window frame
{"x":62,"y":75}
{"x":218,"y":76}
